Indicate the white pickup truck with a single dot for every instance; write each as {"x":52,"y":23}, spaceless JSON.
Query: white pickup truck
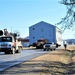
{"x":49,"y":46}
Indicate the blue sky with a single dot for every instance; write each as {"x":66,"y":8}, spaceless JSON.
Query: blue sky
{"x":19,"y":15}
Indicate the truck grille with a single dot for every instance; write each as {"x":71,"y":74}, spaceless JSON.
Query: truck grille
{"x":3,"y":44}
{"x":47,"y":46}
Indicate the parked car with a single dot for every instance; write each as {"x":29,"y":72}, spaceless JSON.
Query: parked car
{"x":49,"y":46}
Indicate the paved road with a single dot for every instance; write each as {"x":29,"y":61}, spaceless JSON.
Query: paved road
{"x":8,"y":60}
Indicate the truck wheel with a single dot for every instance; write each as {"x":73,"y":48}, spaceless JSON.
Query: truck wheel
{"x":48,"y":49}
{"x":12,"y":52}
{"x":7,"y":52}
{"x":51,"y":49}
{"x":44,"y":49}
{"x":54,"y":49}
{"x":18,"y":51}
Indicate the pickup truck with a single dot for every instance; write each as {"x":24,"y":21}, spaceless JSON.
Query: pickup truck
{"x":49,"y":46}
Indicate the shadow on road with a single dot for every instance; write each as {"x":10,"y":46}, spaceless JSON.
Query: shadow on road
{"x":40,"y":68}
{"x":43,"y":67}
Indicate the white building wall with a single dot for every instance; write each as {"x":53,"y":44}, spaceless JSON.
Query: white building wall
{"x":59,"y":36}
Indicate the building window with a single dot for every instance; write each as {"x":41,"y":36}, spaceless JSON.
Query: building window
{"x":33,"y":28}
{"x":33,"y":37}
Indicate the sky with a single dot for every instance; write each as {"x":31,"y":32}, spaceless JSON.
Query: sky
{"x":19,"y":15}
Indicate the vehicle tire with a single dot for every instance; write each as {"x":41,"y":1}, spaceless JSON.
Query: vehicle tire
{"x":47,"y":49}
{"x":18,"y":51}
{"x":7,"y":52}
{"x":51,"y":49}
{"x":54,"y":49}
{"x":44,"y":49}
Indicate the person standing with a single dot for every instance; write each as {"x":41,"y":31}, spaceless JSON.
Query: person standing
{"x":65,"y":45}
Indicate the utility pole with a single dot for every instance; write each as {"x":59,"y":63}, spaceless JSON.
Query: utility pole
{"x":11,"y":29}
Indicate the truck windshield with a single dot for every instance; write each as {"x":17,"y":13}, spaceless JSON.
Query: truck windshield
{"x":5,"y":39}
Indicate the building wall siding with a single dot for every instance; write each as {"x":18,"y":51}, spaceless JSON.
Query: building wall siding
{"x":42,"y":30}
{"x":59,"y":36}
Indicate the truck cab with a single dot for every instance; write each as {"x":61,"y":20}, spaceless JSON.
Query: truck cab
{"x":9,"y":45}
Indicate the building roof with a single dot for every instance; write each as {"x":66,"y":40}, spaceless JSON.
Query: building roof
{"x":42,"y":23}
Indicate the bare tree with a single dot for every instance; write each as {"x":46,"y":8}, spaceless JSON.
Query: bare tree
{"x":15,"y":34}
{"x":68,"y":21}
{"x":18,"y":33}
